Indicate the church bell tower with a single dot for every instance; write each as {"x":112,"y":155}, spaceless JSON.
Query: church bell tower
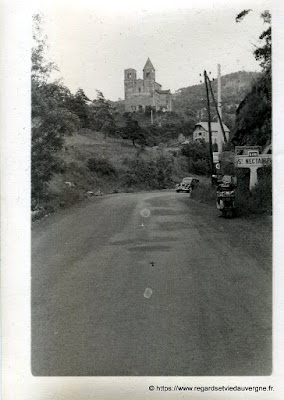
{"x":149,"y":71}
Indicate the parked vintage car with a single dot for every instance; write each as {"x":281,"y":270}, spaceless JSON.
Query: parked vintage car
{"x":187,"y":185}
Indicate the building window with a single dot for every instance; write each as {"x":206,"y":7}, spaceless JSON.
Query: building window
{"x":147,"y":74}
{"x":129,"y":75}
{"x":139,"y":90}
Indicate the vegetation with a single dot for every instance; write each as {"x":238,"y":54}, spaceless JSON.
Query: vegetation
{"x":253,"y":116}
{"x":198,"y":157}
{"x":102,"y":116}
{"x":259,"y":200}
{"x":148,"y":174}
{"x":133,"y":131}
{"x":165,"y":129}
{"x":101,"y":166}
{"x":78,"y":105}
{"x":191,"y":101}
{"x":51,"y":118}
{"x":57,"y":114}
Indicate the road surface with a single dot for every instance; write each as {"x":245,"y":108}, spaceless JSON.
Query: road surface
{"x":150,"y":284}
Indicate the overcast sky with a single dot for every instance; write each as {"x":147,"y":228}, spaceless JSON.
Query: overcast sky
{"x":92,"y":46}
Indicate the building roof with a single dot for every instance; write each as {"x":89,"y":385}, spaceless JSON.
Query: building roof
{"x":214,"y":126}
{"x":148,"y":65}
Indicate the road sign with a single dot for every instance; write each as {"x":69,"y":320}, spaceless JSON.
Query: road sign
{"x":253,"y":163}
{"x":257,"y":161}
{"x":216,"y":157}
{"x":253,"y":153}
{"x":244,"y":150}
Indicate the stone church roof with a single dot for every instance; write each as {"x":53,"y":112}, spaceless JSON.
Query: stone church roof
{"x":149,"y":65}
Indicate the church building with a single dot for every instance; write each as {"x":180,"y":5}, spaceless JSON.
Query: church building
{"x":140,"y":93}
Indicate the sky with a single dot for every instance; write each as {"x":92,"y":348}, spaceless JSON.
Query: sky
{"x":92,"y":45}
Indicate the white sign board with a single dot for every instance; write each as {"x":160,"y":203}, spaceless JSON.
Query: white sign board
{"x":253,"y":163}
{"x":257,"y":161}
{"x":216,"y":157}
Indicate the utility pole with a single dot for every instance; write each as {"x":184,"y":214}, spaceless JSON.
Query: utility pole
{"x":221,"y":128}
{"x":206,"y":79}
{"x":217,"y":111}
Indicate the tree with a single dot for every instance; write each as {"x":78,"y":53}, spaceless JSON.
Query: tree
{"x":253,"y":116}
{"x":103,"y":119}
{"x":78,"y":104}
{"x":133,"y":131}
{"x":41,"y":68}
{"x":51,"y":118}
{"x":262,"y":53}
{"x":198,"y":157}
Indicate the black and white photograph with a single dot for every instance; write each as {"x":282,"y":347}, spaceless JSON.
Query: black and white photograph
{"x":151,"y":226}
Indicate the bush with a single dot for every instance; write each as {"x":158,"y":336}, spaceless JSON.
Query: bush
{"x":199,"y":167}
{"x":152,"y":174}
{"x":101,"y":166}
{"x":259,"y":199}
{"x":164,"y":168}
{"x":198,"y":157}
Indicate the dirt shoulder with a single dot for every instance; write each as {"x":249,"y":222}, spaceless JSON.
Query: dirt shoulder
{"x":254,"y":233}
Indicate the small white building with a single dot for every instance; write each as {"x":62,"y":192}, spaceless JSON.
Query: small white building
{"x":201,"y":131}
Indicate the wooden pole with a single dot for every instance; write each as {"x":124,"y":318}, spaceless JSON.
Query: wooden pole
{"x":209,"y":127}
{"x":216,"y":107}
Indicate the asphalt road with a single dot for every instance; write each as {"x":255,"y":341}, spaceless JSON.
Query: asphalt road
{"x":150,"y":284}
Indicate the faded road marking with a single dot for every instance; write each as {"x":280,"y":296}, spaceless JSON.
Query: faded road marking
{"x":148,"y":293}
{"x":145,"y":213}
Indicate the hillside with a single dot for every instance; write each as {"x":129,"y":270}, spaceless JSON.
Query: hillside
{"x":235,"y":86}
{"x":92,"y":165}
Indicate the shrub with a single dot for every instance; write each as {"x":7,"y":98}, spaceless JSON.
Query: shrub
{"x":198,"y":157}
{"x":101,"y":166}
{"x":152,"y":174}
{"x":199,"y":167}
{"x":164,"y":168}
{"x":259,"y":199}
